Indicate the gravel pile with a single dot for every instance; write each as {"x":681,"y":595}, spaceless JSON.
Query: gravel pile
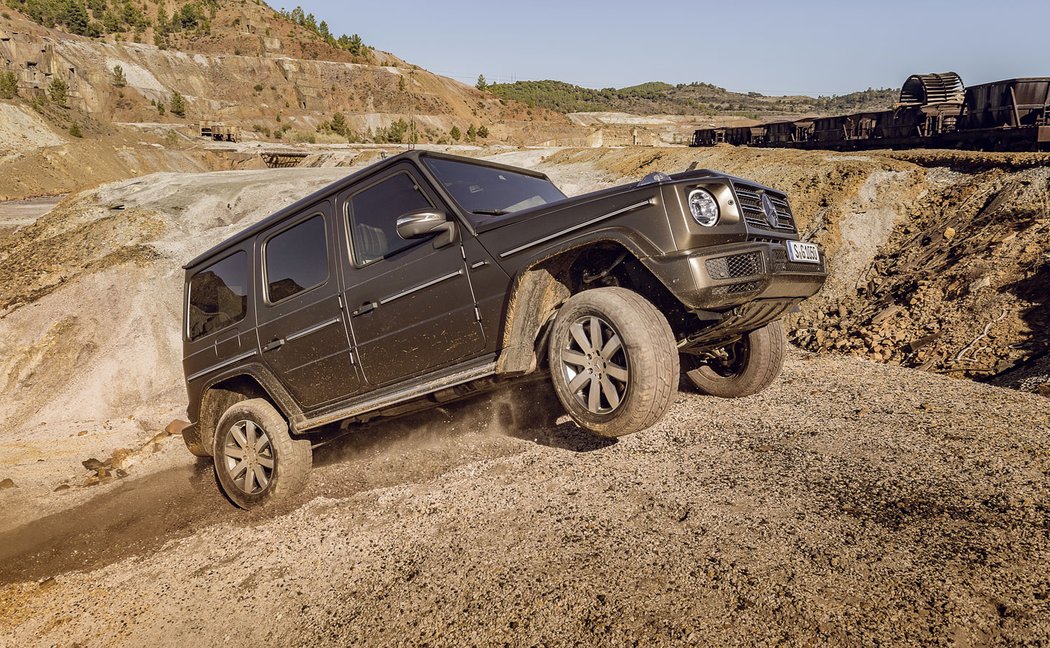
{"x":851,"y":502}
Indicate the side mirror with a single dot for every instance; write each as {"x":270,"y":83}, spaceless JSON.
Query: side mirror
{"x":424,"y":223}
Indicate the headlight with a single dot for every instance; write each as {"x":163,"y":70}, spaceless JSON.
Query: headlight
{"x":704,"y":207}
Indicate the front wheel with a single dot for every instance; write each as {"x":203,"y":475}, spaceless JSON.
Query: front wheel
{"x":742,"y":368}
{"x":613,"y":361}
{"x":256,"y":460}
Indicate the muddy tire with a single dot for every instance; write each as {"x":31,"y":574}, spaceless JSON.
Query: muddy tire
{"x":256,"y":460}
{"x":613,"y":361}
{"x":191,"y":436}
{"x":752,"y":364}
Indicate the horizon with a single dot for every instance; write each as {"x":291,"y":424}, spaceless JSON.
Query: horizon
{"x":584,"y":46}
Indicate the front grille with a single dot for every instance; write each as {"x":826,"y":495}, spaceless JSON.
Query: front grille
{"x":782,"y":264}
{"x":732,"y":267}
{"x":751,"y":207}
{"x":736,"y":289}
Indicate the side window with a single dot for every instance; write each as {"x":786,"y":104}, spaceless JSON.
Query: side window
{"x":296,"y":259}
{"x":218,"y":296}
{"x":373,"y":217}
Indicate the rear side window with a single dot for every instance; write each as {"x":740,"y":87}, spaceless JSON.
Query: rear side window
{"x":374,"y":213}
{"x":218,"y":296}
{"x":296,"y":259}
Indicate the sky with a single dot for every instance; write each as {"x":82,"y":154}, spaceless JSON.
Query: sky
{"x":814,"y":48}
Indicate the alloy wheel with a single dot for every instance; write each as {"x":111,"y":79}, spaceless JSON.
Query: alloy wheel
{"x":249,"y":458}
{"x":595,"y":365}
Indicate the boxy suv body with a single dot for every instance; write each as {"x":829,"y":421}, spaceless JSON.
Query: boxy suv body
{"x":427,"y":278}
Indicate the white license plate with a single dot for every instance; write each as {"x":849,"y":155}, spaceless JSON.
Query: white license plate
{"x":803,"y":252}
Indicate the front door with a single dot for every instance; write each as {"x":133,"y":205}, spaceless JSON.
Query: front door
{"x":302,"y":332}
{"x":410,"y":303}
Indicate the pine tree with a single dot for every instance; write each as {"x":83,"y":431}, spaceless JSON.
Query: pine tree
{"x":58,"y":91}
{"x":482,"y":83}
{"x":119,"y":80}
{"x":455,"y":133}
{"x":177,"y":105}
{"x":8,"y":85}
{"x":472,"y":133}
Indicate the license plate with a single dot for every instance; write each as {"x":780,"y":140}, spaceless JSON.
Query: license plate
{"x":803,"y":252}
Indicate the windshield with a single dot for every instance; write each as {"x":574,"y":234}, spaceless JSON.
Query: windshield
{"x":486,"y":193}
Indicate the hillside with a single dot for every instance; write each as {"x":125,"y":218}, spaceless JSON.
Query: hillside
{"x":249,"y":28}
{"x":275,"y":76}
{"x":657,"y":98}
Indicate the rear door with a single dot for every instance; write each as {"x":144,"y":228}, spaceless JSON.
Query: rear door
{"x":302,"y":331}
{"x":411,"y":306}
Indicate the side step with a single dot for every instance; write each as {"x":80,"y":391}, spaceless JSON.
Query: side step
{"x":400,"y":393}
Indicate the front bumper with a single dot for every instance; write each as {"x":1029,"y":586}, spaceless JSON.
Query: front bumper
{"x":723,"y":277}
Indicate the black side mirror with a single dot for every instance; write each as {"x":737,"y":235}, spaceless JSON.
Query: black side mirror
{"x":424,"y":223}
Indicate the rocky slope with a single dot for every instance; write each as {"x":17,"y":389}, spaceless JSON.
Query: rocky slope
{"x":938,"y":260}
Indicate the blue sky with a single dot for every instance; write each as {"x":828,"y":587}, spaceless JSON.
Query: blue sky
{"x":819,"y":47}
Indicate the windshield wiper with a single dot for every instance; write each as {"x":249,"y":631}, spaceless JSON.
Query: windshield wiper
{"x":490,"y":212}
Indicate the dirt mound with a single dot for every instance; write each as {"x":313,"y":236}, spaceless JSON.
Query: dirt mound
{"x":91,"y":305}
{"x":938,"y":260}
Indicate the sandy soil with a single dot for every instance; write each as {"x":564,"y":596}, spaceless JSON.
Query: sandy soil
{"x":851,"y":503}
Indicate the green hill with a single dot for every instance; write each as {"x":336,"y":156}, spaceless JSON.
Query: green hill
{"x":685,"y":99}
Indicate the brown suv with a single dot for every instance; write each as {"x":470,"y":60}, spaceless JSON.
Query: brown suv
{"x":427,"y":278}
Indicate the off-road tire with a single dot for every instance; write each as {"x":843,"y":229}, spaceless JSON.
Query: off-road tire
{"x":763,"y":358}
{"x":650,"y":353}
{"x":291,"y":458}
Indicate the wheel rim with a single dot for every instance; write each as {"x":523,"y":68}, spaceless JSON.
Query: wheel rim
{"x":594,"y":365}
{"x":248,"y":457}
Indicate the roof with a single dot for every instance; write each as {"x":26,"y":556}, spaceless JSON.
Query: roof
{"x":304,"y":203}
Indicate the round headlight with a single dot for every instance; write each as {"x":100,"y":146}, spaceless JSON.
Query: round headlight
{"x":703,"y":207}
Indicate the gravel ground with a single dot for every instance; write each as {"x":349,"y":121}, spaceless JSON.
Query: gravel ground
{"x":850,"y":503}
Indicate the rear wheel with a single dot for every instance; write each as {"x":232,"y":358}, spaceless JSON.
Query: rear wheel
{"x":613,"y":361}
{"x":256,"y":460}
{"x":742,"y":368}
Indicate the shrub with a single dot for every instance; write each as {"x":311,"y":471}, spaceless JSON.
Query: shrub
{"x":455,"y":133}
{"x":119,"y":79}
{"x":58,"y":91}
{"x":8,"y":85}
{"x":177,"y":104}
{"x":483,"y":132}
{"x":258,"y":87}
{"x":74,"y":130}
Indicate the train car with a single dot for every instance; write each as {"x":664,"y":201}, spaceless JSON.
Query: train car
{"x":708,"y":136}
{"x":1008,"y":115}
{"x":926,"y":122}
{"x":786,"y":133}
{"x":745,"y":135}
{"x":934,"y":110}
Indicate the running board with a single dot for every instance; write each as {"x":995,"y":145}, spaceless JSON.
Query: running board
{"x":398,"y":394}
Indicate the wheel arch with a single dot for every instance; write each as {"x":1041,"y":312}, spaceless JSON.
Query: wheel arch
{"x":244,"y":383}
{"x":541,"y":286}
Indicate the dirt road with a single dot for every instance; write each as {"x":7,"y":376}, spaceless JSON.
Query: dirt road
{"x":851,"y":503}
{"x":19,"y":213}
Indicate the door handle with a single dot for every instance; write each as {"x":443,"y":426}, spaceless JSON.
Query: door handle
{"x":367,"y":307}
{"x":274,"y":345}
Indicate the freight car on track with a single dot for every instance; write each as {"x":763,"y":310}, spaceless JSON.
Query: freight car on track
{"x":934,"y":111}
